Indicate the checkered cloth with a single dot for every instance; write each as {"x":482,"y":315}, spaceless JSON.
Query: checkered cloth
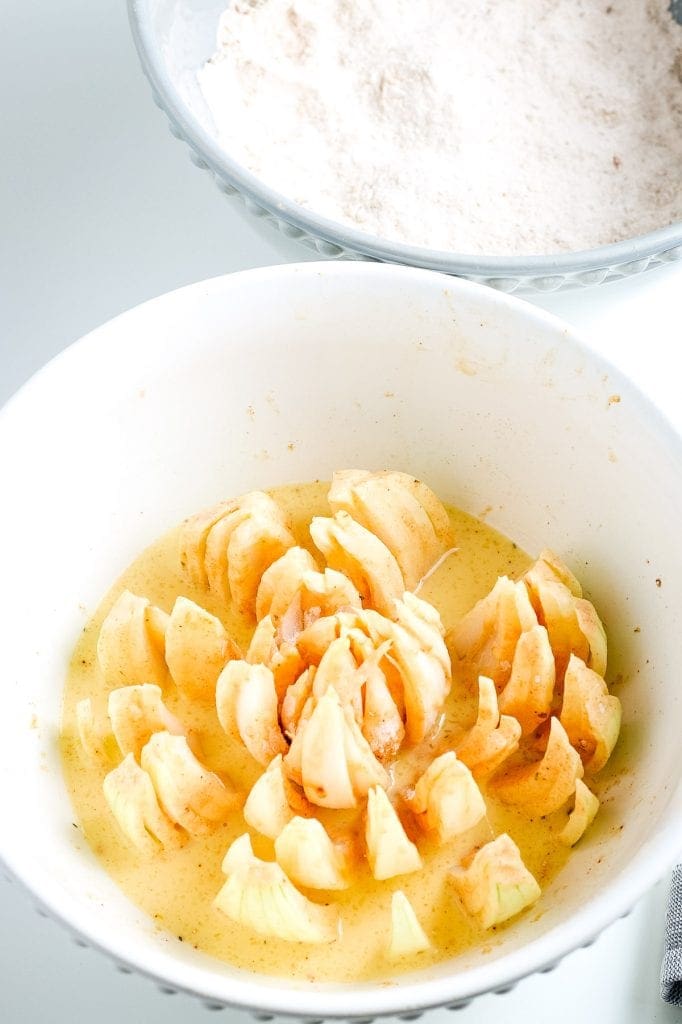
{"x":671,"y":968}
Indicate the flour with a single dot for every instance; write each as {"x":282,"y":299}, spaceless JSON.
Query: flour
{"x":476,"y":126}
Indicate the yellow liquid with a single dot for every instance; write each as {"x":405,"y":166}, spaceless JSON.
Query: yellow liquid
{"x":177,"y":887}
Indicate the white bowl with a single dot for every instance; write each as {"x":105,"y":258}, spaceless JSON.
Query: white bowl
{"x":284,"y":374}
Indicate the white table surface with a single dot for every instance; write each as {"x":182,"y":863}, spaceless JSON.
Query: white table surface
{"x":100,"y":209}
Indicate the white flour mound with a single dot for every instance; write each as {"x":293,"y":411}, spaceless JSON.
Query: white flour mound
{"x":479,"y":126}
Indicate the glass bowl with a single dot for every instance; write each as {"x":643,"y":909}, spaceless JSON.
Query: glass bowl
{"x":175,"y":37}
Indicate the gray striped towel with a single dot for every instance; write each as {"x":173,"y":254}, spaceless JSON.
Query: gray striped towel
{"x":671,"y":968}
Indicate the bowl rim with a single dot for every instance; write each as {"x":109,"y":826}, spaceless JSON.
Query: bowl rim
{"x":488,"y":266}
{"x":656,"y":855}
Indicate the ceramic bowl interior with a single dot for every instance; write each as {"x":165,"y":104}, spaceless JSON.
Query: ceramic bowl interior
{"x":283,"y":375}
{"x":175,"y":37}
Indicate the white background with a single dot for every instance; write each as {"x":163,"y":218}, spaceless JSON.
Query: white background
{"x":100,"y":209}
